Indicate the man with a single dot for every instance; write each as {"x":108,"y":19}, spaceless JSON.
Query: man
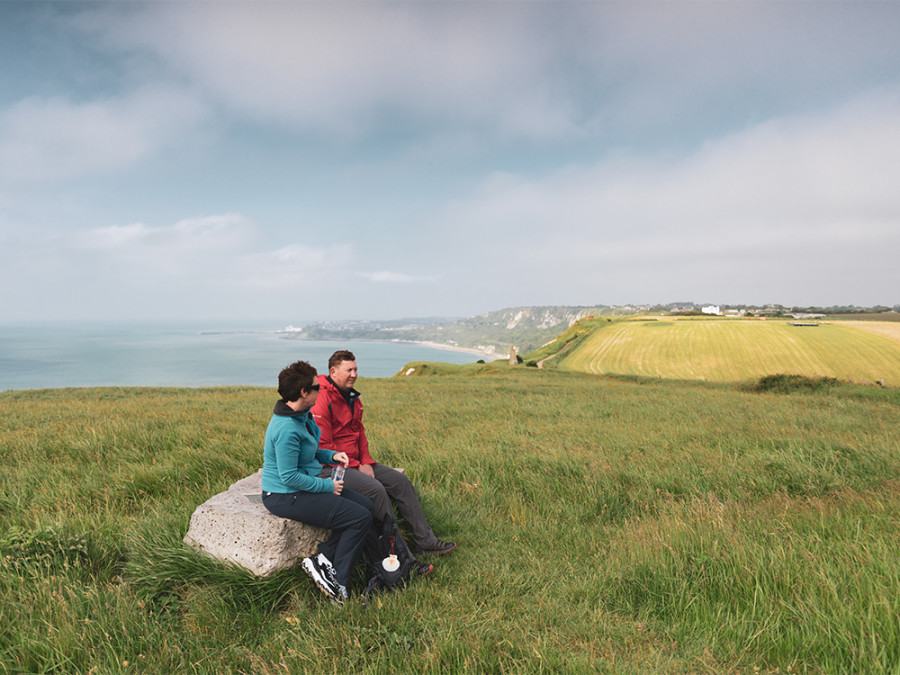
{"x":338,"y":412}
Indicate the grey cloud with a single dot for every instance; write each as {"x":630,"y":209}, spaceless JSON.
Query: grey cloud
{"x":300,"y":268}
{"x":514,"y":69}
{"x":800,"y":193}
{"x":214,"y":263}
{"x":43,"y":138}
{"x":386,"y":276}
{"x":626,"y":150}
{"x":341,"y":67}
{"x":184,"y":238}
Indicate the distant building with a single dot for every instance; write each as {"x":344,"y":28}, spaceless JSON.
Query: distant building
{"x":711,"y":309}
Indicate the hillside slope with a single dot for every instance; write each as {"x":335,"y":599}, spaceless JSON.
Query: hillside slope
{"x":723,"y":350}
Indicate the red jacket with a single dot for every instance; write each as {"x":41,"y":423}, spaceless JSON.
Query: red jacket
{"x":342,"y":428}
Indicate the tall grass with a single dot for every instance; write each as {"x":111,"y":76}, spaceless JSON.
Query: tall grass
{"x":604,"y":525}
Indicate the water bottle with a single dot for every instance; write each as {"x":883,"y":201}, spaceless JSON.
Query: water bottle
{"x":337,"y":473}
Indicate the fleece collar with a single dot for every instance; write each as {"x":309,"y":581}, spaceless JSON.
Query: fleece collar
{"x":349,"y":397}
{"x":284,"y":410}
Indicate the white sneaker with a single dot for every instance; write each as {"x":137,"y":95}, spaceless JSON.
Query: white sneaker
{"x":330,"y":574}
{"x":314,"y":570}
{"x":341,"y":594}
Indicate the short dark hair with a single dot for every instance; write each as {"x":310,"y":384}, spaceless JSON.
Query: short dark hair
{"x":339,"y":356}
{"x":294,"y":379}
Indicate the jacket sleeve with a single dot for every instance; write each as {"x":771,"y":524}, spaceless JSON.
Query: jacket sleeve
{"x":287,"y":456}
{"x":325,"y":456}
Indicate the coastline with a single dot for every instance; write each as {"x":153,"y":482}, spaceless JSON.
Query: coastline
{"x":493,"y":356}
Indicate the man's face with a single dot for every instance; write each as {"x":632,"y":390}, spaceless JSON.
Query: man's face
{"x":344,"y":375}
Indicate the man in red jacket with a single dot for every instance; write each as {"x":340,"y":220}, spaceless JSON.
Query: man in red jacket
{"x":338,"y":412}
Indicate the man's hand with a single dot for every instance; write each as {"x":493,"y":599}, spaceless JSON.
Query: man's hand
{"x":367,"y":469}
{"x":338,"y":486}
{"x":341,"y":458}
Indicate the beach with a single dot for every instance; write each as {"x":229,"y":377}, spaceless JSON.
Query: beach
{"x":493,"y":356}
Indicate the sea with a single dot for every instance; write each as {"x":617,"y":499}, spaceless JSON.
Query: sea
{"x":182,"y":354}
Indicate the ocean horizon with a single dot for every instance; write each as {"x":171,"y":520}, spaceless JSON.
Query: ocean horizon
{"x":183,"y":354}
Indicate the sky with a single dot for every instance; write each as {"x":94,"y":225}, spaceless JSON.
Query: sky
{"x":313,"y":161}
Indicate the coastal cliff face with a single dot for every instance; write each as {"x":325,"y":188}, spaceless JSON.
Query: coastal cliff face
{"x":525,"y":328}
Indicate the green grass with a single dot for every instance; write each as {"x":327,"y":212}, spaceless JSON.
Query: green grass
{"x":725,"y":350}
{"x":611,"y":525}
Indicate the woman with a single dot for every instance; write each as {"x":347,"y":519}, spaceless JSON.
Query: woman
{"x":292,"y":489}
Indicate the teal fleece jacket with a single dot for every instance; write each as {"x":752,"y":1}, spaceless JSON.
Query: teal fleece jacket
{"x":292,"y":459}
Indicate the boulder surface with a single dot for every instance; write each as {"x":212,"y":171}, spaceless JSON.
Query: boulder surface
{"x":234,"y":526}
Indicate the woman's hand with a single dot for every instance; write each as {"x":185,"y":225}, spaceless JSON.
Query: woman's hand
{"x":341,"y":458}
{"x":338,"y":486}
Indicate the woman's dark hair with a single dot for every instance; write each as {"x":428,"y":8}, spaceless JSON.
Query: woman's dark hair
{"x":294,"y":379}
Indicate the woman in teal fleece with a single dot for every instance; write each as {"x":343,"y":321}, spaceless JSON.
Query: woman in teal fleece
{"x":292,"y":462}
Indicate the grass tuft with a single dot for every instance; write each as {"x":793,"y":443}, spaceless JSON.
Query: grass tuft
{"x":787,"y":384}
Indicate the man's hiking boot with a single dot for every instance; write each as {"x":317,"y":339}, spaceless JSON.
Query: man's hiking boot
{"x":422,"y":569}
{"x":439,"y":547}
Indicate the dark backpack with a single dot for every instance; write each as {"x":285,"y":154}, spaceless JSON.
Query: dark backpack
{"x":388,"y":560}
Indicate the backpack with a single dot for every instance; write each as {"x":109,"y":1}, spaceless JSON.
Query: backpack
{"x":388,"y":560}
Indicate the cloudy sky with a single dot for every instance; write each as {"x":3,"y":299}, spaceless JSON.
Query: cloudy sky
{"x":306,"y":161}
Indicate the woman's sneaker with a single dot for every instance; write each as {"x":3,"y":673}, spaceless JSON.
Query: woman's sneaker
{"x":331,"y":575}
{"x":315,"y":569}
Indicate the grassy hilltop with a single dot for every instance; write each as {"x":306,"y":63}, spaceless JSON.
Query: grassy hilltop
{"x":727,"y":349}
{"x":605,"y":525}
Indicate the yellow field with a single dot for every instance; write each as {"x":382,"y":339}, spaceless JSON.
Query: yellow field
{"x":730,"y":350}
{"x":890,"y":329}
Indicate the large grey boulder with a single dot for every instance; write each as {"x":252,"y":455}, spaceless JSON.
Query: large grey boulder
{"x":235,"y":526}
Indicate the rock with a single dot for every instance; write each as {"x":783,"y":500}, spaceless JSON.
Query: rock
{"x":235,"y":526}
